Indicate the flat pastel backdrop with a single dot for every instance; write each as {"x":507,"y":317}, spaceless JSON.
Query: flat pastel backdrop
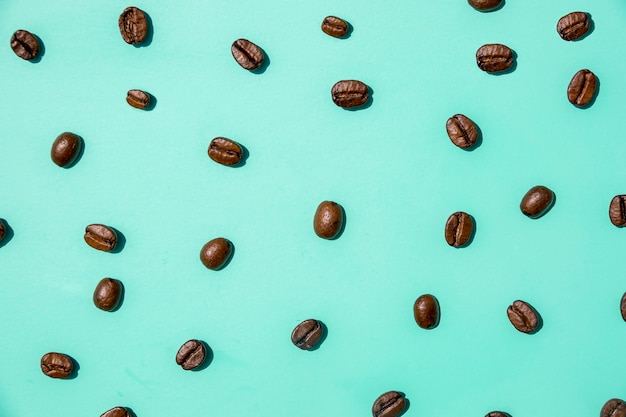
{"x":391,"y":166}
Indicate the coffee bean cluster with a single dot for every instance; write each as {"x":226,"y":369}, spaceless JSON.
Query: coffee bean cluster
{"x":329,"y":218}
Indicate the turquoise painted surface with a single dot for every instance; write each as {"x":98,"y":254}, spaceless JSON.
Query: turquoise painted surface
{"x":391,"y":166}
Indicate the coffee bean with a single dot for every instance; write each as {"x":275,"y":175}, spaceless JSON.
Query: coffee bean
{"x":116,"y":412}
{"x":494,"y":57}
{"x":100,"y":237}
{"x":573,"y":25}
{"x":225,"y":151}
{"x":390,"y":404}
{"x":522,"y":316}
{"x":3,"y":228}
{"x":459,"y":228}
{"x":138,"y":99}
{"x":307,"y":334}
{"x":537,"y":201}
{"x":335,"y":27}
{"x":108,"y":294}
{"x":498,"y":414}
{"x":582,"y":88}
{"x":622,"y":306}
{"x":617,"y":210}
{"x":191,"y":354}
{"x":247,"y":54}
{"x":65,"y":148}
{"x":426,"y":311}
{"x":133,"y":25}
{"x":350,"y":93}
{"x":484,"y":5}
{"x":216,"y":253}
{"x":56,"y":365}
{"x":328,"y":220}
{"x":25,"y":44}
{"x":462,"y":131}
{"x":614,"y":408}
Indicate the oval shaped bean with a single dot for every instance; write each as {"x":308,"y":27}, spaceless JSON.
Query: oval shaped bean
{"x":328,"y":220}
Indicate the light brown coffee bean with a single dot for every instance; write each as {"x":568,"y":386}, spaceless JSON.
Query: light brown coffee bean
{"x":65,"y":148}
{"x":335,"y":27}
{"x":426,"y":311}
{"x":328,"y":220}
{"x":307,"y":334}
{"x":108,"y":294}
{"x":573,"y":25}
{"x":133,"y":25}
{"x":116,"y":412}
{"x":617,"y":210}
{"x":25,"y":45}
{"x":537,"y":201}
{"x":390,"y":404}
{"x":350,"y":93}
{"x":484,"y":5}
{"x":101,"y":237}
{"x":459,"y":228}
{"x":462,"y":131}
{"x":225,"y":151}
{"x":522,"y":316}
{"x":247,"y":54}
{"x":138,"y":99}
{"x":494,"y":57}
{"x":216,"y":253}
{"x":56,"y":365}
{"x":582,"y":88}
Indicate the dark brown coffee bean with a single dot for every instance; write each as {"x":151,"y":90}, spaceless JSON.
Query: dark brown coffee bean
{"x":522,"y":316}
{"x":108,"y":294}
{"x":617,"y":210}
{"x":582,"y":88}
{"x":225,"y":151}
{"x":65,"y":149}
{"x":335,"y":27}
{"x":116,"y":412}
{"x":56,"y":365}
{"x":247,"y":54}
{"x":462,"y":131}
{"x":25,"y":44}
{"x":307,"y":334}
{"x":216,"y":253}
{"x":3,"y":228}
{"x":494,"y":57}
{"x":614,"y":408}
{"x":622,"y":306}
{"x":133,"y":25}
{"x":573,"y":25}
{"x":138,"y":99}
{"x":350,"y":93}
{"x":537,"y":201}
{"x":101,"y":237}
{"x":484,"y":5}
{"x":459,"y":228}
{"x":426,"y":311}
{"x":498,"y":414}
{"x":328,"y":220}
{"x":191,"y":354}
{"x":390,"y":404}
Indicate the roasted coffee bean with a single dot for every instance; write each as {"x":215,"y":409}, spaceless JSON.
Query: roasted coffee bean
{"x":522,"y":316}
{"x":133,"y":25}
{"x":56,"y":365}
{"x":25,"y":44}
{"x":100,"y":237}
{"x":390,"y":404}
{"x":573,"y":25}
{"x":494,"y":57}
{"x":247,"y":54}
{"x":350,"y":93}
{"x":462,"y":131}
{"x":328,"y":220}
{"x":108,"y":294}
{"x":459,"y":228}
{"x":65,"y":148}
{"x":498,"y":414}
{"x":225,"y":151}
{"x":216,"y":253}
{"x":426,"y":311}
{"x":622,"y":306}
{"x":617,"y":210}
{"x":191,"y":354}
{"x":3,"y":228}
{"x":307,"y":334}
{"x":484,"y":5}
{"x":116,"y":412}
{"x":614,"y":408}
{"x":335,"y":27}
{"x":582,"y":88}
{"x":138,"y":99}
{"x":537,"y":201}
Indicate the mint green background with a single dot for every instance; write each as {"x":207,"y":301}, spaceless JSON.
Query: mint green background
{"x":391,"y":166}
